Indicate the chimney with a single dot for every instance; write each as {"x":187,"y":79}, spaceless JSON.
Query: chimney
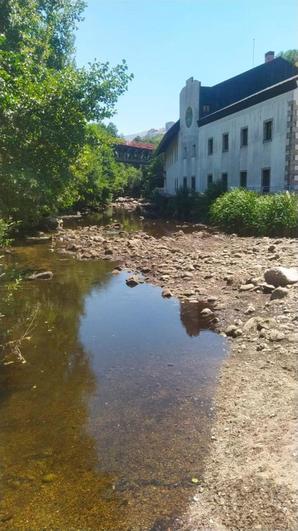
{"x":269,"y":56}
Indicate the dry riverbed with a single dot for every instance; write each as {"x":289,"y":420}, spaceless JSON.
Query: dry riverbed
{"x":250,"y":478}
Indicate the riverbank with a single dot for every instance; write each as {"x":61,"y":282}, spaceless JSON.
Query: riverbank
{"x":250,"y":473}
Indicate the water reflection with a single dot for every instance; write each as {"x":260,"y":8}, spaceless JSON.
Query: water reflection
{"x":108,"y":420}
{"x":192,"y":320}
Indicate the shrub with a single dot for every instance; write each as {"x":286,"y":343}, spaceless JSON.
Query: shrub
{"x":235,"y":210}
{"x":187,"y":205}
{"x":247,"y":212}
{"x":4,"y":232}
{"x":277,"y":214}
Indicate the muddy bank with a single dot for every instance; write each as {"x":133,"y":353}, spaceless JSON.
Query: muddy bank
{"x":250,"y":474}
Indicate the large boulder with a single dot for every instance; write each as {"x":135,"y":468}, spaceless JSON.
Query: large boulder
{"x":281,"y":276}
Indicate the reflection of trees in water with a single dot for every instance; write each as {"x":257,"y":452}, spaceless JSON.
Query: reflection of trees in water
{"x":44,"y":405}
{"x":190,"y":316}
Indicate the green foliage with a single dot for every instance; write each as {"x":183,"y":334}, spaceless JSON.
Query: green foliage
{"x":277,"y":214}
{"x":247,"y":212}
{"x":97,"y":177}
{"x":45,"y":104}
{"x":153,"y":175}
{"x":188,"y":205}
{"x":5,"y":228}
{"x":291,"y":56}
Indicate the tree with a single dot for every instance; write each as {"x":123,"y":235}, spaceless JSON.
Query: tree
{"x":45,"y":26}
{"x":112,"y":129}
{"x":46,"y":103}
{"x":291,"y":56}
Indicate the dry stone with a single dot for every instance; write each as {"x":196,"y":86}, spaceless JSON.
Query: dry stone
{"x":281,"y":276}
{"x":279,"y":293}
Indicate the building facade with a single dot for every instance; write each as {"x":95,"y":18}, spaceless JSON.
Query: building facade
{"x":242,"y":132}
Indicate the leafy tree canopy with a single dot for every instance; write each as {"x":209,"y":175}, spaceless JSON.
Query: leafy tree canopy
{"x":46,"y":103}
{"x":291,"y":56}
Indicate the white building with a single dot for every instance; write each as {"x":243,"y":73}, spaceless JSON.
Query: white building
{"x":243,"y":131}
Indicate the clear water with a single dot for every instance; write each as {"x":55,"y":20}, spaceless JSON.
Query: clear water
{"x":108,"y":421}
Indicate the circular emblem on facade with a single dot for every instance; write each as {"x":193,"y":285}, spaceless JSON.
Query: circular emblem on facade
{"x":188,"y":117}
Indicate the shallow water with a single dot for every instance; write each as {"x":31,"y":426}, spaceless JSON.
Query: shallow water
{"x":108,"y":421}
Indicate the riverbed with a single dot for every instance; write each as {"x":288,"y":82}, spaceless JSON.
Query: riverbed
{"x":106,"y":424}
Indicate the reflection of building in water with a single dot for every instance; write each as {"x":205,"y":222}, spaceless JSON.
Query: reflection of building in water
{"x":193,"y":322}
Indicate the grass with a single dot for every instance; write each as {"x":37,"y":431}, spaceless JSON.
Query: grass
{"x":246,"y":212}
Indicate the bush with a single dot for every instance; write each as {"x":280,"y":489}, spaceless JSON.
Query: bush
{"x":187,"y":205}
{"x":4,"y":232}
{"x":277,"y":214}
{"x":247,"y":212}
{"x":234,"y":211}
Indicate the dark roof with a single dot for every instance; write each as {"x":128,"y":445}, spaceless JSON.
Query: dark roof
{"x":239,"y":87}
{"x":239,"y":92}
{"x":168,"y":137}
{"x":138,"y":145}
{"x":266,"y":94}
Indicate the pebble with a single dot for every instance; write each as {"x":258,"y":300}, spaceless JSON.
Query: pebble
{"x":206,"y":312}
{"x":246,"y":287}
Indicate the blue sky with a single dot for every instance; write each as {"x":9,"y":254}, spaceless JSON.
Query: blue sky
{"x":166,"y":41}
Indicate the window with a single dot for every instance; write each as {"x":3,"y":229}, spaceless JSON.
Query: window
{"x":225,"y":142}
{"x":193,"y":184}
{"x":206,"y":108}
{"x":243,"y":179}
{"x":185,"y":183}
{"x":194,"y":150}
{"x":210,"y":146}
{"x":267,"y":131}
{"x":244,"y":136}
{"x":185,"y":152}
{"x":224,"y":180}
{"x":209,"y":179}
{"x":266,"y":180}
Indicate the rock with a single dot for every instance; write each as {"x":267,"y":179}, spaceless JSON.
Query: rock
{"x":132,"y":281}
{"x":275,"y":335}
{"x":42,"y":275}
{"x":271,"y":248}
{"x":233,"y":331}
{"x":73,"y":247}
{"x":265,"y":287}
{"x":279,"y":293}
{"x":48,"y":478}
{"x":51,"y":223}
{"x":261,"y":346}
{"x":212,"y":298}
{"x":281,"y":276}
{"x":293,"y":338}
{"x":251,"y":323}
{"x":166,"y":293}
{"x":246,"y":287}
{"x":38,"y":239}
{"x":108,"y":251}
{"x":250,"y":309}
{"x":206,"y":312}
{"x":5,"y":517}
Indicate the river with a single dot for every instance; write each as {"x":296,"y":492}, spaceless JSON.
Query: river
{"x":107,"y":424}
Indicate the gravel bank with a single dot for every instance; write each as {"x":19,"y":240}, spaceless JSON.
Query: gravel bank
{"x":250,"y":479}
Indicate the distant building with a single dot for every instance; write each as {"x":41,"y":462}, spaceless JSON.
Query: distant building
{"x":243,"y":132}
